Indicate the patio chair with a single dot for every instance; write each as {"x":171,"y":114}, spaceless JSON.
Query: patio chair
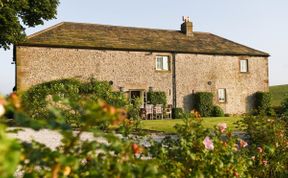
{"x":158,"y":111}
{"x":168,"y":112}
{"x":149,"y":111}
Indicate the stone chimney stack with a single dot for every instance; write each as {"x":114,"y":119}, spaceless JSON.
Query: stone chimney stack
{"x":187,"y":26}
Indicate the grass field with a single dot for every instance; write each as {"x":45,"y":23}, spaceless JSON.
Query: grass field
{"x":278,"y":93}
{"x":168,"y":125}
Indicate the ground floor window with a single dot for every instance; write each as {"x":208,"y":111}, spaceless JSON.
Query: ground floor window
{"x":222,"y":95}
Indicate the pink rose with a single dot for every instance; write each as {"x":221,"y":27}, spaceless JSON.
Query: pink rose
{"x":265,"y":162}
{"x":259,"y":149}
{"x":243,"y":144}
{"x":222,"y":127}
{"x":208,"y":143}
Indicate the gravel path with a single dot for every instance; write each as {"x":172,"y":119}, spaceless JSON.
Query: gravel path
{"x":50,"y":138}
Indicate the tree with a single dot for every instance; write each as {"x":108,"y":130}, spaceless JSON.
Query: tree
{"x":15,"y":15}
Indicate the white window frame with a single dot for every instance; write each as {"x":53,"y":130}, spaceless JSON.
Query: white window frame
{"x":162,"y":63}
{"x":244,"y":65}
{"x":222,"y":95}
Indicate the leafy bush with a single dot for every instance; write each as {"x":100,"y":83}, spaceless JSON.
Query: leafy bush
{"x":269,"y":146}
{"x":204,"y":103}
{"x":10,"y":154}
{"x":61,"y":93}
{"x":217,"y":111}
{"x":177,"y":113}
{"x":194,"y":151}
{"x":156,"y":97}
{"x":283,"y":110}
{"x":263,"y":104}
{"x":75,"y":157}
{"x":198,"y":152}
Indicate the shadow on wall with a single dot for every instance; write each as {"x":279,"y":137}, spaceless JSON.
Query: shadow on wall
{"x":250,"y":103}
{"x":188,"y":102}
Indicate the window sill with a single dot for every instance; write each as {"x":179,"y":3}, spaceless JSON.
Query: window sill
{"x":163,"y":71}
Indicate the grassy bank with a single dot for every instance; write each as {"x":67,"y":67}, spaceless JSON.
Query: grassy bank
{"x":278,"y":93}
{"x":168,"y":125}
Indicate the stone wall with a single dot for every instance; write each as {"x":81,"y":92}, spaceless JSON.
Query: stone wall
{"x":193,"y":72}
{"x":136,"y":70}
{"x":131,"y":70}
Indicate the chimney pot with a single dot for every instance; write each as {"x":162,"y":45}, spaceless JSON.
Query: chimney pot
{"x":187,"y":26}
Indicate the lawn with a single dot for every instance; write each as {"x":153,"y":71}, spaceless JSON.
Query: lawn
{"x":278,"y":93}
{"x":168,"y":125}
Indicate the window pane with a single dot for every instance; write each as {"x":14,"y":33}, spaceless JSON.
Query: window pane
{"x":159,"y":63}
{"x":165,"y":63}
{"x":222,"y":95}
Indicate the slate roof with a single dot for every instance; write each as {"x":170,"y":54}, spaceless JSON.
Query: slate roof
{"x":94,"y":36}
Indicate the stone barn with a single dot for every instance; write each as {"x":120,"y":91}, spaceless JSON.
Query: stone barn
{"x":178,"y":62}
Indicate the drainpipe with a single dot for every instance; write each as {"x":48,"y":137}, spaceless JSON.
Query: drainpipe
{"x":174,"y":102}
{"x":14,"y":62}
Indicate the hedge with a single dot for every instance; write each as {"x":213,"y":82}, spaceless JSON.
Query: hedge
{"x":263,"y":103}
{"x":217,"y":111}
{"x":37,"y":100}
{"x":177,"y":113}
{"x":204,"y":103}
{"x":156,"y":97}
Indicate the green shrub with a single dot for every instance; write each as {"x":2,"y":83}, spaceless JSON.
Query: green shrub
{"x":268,"y":146}
{"x":263,"y":104}
{"x":189,"y":153}
{"x":217,"y":111}
{"x":75,"y":157}
{"x":10,"y":154}
{"x":156,"y":97}
{"x":194,"y":151}
{"x":283,"y":111}
{"x":204,"y":103}
{"x":61,"y":93}
{"x":177,"y":113}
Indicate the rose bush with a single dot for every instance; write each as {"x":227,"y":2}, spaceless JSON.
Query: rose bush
{"x":116,"y":157}
{"x":199,"y":152}
{"x":194,"y":151}
{"x":268,"y":148}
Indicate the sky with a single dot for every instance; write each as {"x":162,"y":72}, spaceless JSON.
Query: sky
{"x":260,"y":24}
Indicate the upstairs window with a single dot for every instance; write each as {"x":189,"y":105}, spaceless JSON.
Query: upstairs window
{"x":222,"y":95}
{"x":162,"y":63}
{"x":243,"y":65}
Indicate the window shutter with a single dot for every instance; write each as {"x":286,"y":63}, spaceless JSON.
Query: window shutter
{"x":165,"y":63}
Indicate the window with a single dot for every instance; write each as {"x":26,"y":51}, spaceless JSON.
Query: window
{"x":162,"y":63}
{"x":222,"y":95}
{"x":244,"y":65}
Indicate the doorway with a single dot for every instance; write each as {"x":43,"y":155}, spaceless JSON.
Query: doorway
{"x":136,"y":94}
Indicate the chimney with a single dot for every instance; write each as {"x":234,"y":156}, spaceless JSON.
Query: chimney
{"x":187,"y":26}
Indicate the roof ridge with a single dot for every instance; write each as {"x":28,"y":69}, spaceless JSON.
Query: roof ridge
{"x":119,"y":26}
{"x":144,"y":28}
{"x":107,"y":25}
{"x":240,"y":44}
{"x":45,"y":30}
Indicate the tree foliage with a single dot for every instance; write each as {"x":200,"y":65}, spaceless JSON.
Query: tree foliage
{"x":15,"y":15}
